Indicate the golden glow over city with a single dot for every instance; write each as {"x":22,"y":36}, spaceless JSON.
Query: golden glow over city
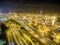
{"x":28,"y":29}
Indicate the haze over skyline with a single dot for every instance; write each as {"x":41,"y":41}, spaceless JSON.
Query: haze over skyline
{"x":24,"y":5}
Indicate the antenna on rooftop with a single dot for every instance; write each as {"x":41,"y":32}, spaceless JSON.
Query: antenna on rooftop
{"x":9,"y":12}
{"x":41,"y":12}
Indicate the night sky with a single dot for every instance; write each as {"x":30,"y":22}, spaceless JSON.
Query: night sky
{"x":29,"y":5}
